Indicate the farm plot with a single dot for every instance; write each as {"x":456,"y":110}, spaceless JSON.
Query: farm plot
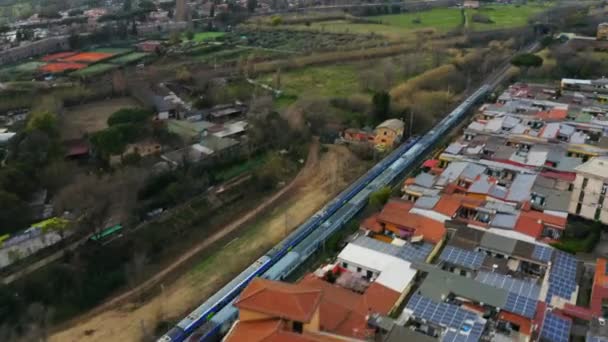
{"x":203,"y":36}
{"x":91,"y":117}
{"x":113,"y":51}
{"x":503,"y":16}
{"x":294,"y":40}
{"x":129,"y":58}
{"x":94,"y":70}
{"x":19,"y":71}
{"x":393,"y":25}
{"x":333,"y":80}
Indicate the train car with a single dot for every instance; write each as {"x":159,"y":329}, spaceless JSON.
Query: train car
{"x":283,"y":267}
{"x":215,"y":303}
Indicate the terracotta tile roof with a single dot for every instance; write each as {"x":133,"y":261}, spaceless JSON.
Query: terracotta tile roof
{"x":396,"y":212}
{"x":340,"y":309}
{"x":378,"y":299}
{"x":599,"y":291}
{"x":525,"y":325}
{"x":271,"y":330}
{"x":289,"y":301}
{"x":531,"y":222}
{"x":448,"y":204}
{"x":371,"y":223}
{"x":555,"y":114}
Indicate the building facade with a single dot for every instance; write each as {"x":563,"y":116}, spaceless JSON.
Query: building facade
{"x":589,"y":190}
{"x":602,"y":31}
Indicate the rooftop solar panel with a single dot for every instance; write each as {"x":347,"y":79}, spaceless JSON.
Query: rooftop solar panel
{"x":562,"y":276}
{"x":469,"y":334}
{"x":542,"y":253}
{"x":408,"y":252}
{"x":443,"y":314}
{"x":520,"y":287}
{"x":457,"y":256}
{"x":521,"y":305}
{"x":556,"y":328}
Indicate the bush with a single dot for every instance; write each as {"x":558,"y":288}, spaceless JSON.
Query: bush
{"x":129,"y":115}
{"x":481,"y":18}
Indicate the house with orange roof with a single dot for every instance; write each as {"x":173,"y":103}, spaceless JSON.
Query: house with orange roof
{"x":599,"y":292}
{"x":310,"y":311}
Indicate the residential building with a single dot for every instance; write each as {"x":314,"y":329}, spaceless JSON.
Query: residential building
{"x":599,"y":291}
{"x":472,"y":4}
{"x":388,"y":134}
{"x":312,"y":310}
{"x":602,"y":31}
{"x":589,"y":190}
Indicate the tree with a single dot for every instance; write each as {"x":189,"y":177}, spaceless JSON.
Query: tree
{"x":14,"y":213}
{"x":378,"y":198}
{"x":212,"y":11}
{"x":109,"y":142}
{"x":183,"y":74}
{"x":129,"y":115}
{"x":190,"y":34}
{"x":147,"y":5}
{"x":381,"y":103}
{"x":527,"y":60}
{"x":251,"y":5}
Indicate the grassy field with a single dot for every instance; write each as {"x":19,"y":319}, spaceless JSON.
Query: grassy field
{"x":333,"y":80}
{"x":129,"y":58}
{"x":202,"y":36}
{"x":504,"y":16}
{"x":94,"y":69}
{"x":393,"y":25}
{"x":91,"y":117}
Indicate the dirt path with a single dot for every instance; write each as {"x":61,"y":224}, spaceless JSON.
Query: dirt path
{"x":317,"y":182}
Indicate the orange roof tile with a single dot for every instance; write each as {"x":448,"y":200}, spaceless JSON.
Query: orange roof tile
{"x":531,"y":222}
{"x":290,"y":301}
{"x":271,"y":330}
{"x":379,"y":299}
{"x":553,"y":114}
{"x":371,"y":223}
{"x":525,"y":325}
{"x":599,"y":291}
{"x":448,"y":204}
{"x":396,"y":212}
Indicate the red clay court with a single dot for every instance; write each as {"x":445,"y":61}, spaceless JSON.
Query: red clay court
{"x":57,"y":56}
{"x":55,"y":68}
{"x":88,"y":57}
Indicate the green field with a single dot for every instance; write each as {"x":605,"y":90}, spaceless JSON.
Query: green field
{"x":203,"y":36}
{"x":393,"y":25}
{"x":334,"y":80}
{"x":504,"y":16}
{"x":94,"y":70}
{"x":129,"y":58}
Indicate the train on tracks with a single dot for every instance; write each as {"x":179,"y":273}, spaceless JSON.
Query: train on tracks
{"x":213,"y":318}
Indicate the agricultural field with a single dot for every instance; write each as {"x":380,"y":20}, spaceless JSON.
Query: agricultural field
{"x":22,"y":70}
{"x":114,"y":51}
{"x":94,"y":70}
{"x":129,"y":58}
{"x":204,"y":36}
{"x":393,"y":26}
{"x":286,"y":40}
{"x":504,"y":16}
{"x":333,"y":80}
{"x":91,"y":117}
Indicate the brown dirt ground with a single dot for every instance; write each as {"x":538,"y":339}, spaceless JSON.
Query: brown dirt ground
{"x":318,"y":182}
{"x":91,"y":117}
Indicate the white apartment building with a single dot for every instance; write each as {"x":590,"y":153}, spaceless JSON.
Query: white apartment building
{"x":589,"y":190}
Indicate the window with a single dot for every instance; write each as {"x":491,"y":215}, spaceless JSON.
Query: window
{"x":385,"y":132}
{"x":369,"y":274}
{"x":578,"y":208}
{"x":297,"y":327}
{"x":345,"y":265}
{"x":358,"y":269}
{"x":598,"y":211}
{"x":585,"y":181}
{"x":581,"y":195}
{"x":463,"y":273}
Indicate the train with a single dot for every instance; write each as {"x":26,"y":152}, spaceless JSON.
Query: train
{"x":213,"y":318}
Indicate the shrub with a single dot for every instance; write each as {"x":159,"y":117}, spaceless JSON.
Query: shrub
{"x":482,"y":18}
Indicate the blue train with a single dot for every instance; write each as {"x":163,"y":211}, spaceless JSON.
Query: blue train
{"x":212,"y":319}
